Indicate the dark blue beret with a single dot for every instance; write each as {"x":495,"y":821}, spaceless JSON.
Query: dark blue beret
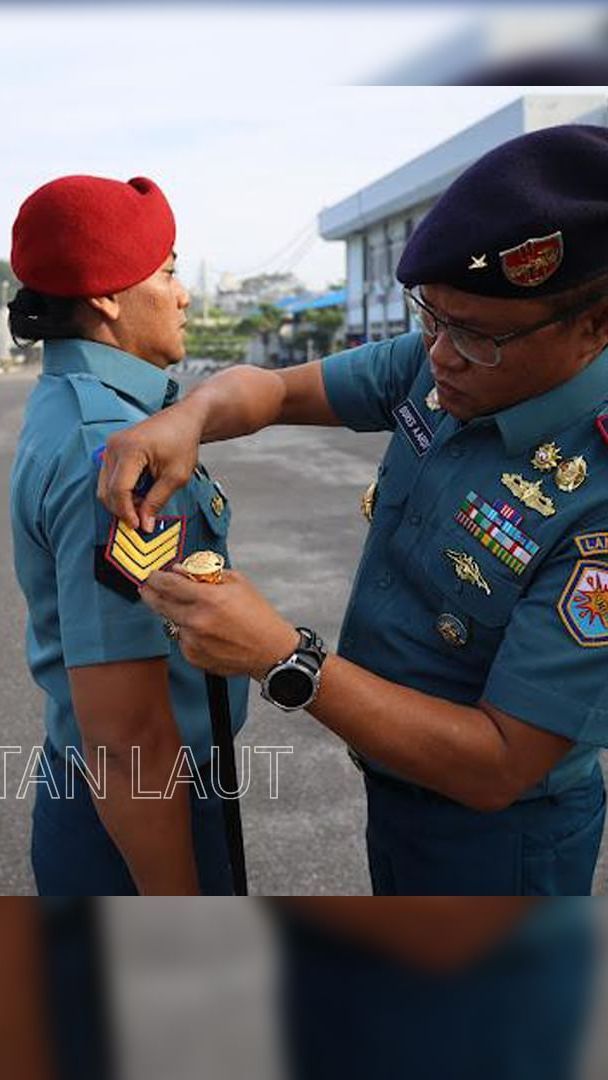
{"x":529,"y":219}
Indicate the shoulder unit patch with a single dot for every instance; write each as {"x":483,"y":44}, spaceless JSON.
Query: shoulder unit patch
{"x":583,"y":605}
{"x":594,"y":543}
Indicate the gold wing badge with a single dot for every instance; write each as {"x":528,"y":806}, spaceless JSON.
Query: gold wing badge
{"x":529,"y":493}
{"x":468,"y":569}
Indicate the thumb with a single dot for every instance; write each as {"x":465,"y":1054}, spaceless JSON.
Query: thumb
{"x":160,"y":492}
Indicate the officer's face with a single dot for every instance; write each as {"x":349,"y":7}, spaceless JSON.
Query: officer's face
{"x":152,"y":317}
{"x":529,"y":366}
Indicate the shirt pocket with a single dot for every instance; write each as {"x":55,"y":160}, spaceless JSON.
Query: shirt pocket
{"x":482,"y":611}
{"x":207,"y":513}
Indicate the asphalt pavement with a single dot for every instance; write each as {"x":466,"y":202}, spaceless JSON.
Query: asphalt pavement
{"x":297,"y":531}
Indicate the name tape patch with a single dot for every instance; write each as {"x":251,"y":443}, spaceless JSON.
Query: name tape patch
{"x":413,"y":426}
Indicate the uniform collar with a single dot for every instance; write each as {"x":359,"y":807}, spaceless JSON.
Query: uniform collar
{"x":537,"y":418}
{"x":144,"y":383}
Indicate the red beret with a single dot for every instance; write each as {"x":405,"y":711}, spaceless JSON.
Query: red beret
{"x":88,"y":236}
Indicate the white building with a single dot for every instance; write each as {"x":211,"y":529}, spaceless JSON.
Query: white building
{"x":376,"y":222}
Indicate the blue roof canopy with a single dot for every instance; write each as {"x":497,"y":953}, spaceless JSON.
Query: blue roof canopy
{"x":293,"y":305}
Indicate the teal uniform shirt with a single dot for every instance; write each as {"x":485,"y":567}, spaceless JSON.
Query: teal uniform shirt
{"x":78,"y":616}
{"x":529,"y":635}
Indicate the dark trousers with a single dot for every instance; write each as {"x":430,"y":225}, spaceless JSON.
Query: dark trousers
{"x":422,"y":844}
{"x":73,"y":855}
{"x":518,"y":1013}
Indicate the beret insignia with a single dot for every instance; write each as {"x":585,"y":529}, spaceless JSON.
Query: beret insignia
{"x":533,"y":262}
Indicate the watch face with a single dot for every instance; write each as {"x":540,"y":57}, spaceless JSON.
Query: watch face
{"x":290,"y":687}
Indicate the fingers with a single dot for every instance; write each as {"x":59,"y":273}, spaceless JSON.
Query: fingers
{"x":159,"y":494}
{"x":116,"y":483}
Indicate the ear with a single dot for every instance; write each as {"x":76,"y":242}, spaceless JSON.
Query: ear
{"x":598,"y":322}
{"x":106,"y":306}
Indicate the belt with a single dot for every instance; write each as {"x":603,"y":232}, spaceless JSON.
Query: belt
{"x":403,"y":787}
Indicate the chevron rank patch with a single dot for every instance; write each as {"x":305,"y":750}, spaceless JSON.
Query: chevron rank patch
{"x":496,"y":531}
{"x":130,"y":556}
{"x":137,"y":554}
{"x":583,"y":605}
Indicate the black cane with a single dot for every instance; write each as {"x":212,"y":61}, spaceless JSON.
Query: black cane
{"x":221,"y":727}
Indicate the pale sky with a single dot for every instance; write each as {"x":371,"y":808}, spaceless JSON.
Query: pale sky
{"x":243,"y":115}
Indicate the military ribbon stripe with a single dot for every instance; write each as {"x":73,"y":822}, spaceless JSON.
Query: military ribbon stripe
{"x":136,"y":556}
{"x":500,"y":536}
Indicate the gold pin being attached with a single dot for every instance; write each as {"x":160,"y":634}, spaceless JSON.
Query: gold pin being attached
{"x":547,"y":457}
{"x":368,"y":501}
{"x":529,"y":493}
{"x":432,"y":400}
{"x":468,"y":569}
{"x":571,"y":474}
{"x":205,"y":566}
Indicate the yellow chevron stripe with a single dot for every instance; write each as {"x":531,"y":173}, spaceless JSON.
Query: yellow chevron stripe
{"x":147,"y":546}
{"x":141,"y":573}
{"x":171,"y":547}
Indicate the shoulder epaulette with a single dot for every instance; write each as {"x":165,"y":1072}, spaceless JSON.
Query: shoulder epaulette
{"x":98,"y":403}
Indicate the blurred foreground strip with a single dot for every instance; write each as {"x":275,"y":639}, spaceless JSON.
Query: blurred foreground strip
{"x":25,"y":1044}
{"x":437,"y":988}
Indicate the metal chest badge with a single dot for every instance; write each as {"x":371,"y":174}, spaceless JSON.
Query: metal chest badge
{"x":468,"y":569}
{"x":583,"y":605}
{"x":570,"y":474}
{"x":529,"y":492}
{"x":547,"y":457}
{"x":533,"y":262}
{"x":452,"y":630}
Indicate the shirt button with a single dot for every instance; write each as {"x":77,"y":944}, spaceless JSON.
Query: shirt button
{"x":415,"y":519}
{"x":455,"y":450}
{"x":347,"y":641}
{"x":385,"y":581}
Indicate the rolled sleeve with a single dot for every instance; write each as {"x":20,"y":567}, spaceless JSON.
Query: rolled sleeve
{"x":365,"y":384}
{"x":541,"y":674}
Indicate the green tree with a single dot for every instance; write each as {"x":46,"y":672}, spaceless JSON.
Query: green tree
{"x":266,"y":321}
{"x":321,"y":327}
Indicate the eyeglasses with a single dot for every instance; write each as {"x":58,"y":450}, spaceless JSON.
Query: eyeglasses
{"x":472,"y":345}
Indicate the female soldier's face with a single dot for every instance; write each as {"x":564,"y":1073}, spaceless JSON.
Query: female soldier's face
{"x":153,"y":316}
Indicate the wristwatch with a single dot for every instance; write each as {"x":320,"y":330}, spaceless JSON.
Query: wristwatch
{"x":294,"y":682}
